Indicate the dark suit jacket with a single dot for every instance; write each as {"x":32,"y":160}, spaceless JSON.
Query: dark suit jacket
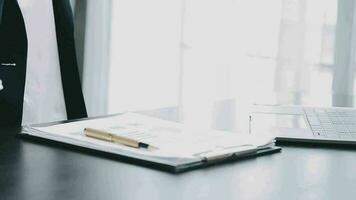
{"x":13,"y":49}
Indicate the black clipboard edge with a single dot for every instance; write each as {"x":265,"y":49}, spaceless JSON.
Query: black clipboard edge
{"x":234,"y":158}
{"x":97,"y":153}
{"x":146,"y":163}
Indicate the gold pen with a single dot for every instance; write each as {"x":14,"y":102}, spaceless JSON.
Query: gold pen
{"x":110,"y":137}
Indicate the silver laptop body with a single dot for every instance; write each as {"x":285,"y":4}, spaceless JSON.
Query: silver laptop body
{"x":305,"y":124}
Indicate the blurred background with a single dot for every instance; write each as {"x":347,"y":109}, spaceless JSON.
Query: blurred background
{"x":212,"y":57}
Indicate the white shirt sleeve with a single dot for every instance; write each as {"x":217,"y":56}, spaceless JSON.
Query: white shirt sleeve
{"x":1,"y":86}
{"x":43,"y":98}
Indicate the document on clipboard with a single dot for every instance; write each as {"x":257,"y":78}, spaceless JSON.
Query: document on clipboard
{"x":176,"y":147}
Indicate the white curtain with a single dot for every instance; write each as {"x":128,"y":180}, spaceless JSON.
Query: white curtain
{"x":193,"y":53}
{"x":96,"y":62}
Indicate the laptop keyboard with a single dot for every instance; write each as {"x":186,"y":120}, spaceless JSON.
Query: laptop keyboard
{"x":332,"y":123}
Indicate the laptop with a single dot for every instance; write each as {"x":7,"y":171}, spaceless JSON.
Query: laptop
{"x":332,"y":125}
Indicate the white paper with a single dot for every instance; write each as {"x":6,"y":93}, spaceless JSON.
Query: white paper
{"x":172,"y":139}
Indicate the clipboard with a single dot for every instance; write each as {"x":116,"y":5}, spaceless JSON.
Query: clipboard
{"x":173,"y":165}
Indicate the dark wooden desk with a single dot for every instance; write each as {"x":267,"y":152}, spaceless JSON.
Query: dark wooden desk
{"x":36,"y":170}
